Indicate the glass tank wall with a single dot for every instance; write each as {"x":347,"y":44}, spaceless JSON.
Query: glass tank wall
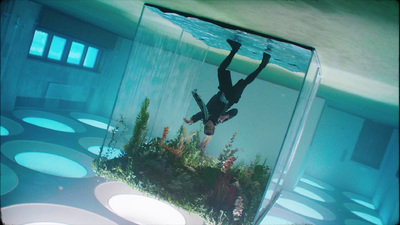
{"x":161,"y":154}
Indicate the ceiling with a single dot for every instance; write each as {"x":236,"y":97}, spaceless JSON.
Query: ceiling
{"x":357,"y":42}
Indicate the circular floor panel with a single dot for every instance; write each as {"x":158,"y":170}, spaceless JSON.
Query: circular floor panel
{"x":313,"y":193}
{"x":365,"y":213}
{"x":48,"y":158}
{"x":316,"y":183}
{"x":144,"y":210}
{"x":51,"y":164}
{"x":92,"y":120}
{"x":49,"y":124}
{"x":304,"y":206}
{"x":109,"y":153}
{"x":299,"y":208}
{"x":9,"y":179}
{"x":119,"y":190}
{"x":4,"y":131}
{"x":49,"y":121}
{"x":282,"y":216}
{"x":50,"y":214}
{"x":360,"y":200}
{"x":368,"y":217}
{"x":10,"y":127}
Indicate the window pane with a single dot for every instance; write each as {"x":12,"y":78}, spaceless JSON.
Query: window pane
{"x":38,"y":43}
{"x":75,"y":53}
{"x":56,"y":48}
{"x":91,"y":56}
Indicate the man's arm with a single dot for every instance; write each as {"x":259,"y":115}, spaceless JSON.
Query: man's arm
{"x":196,"y":117}
{"x":229,"y":115}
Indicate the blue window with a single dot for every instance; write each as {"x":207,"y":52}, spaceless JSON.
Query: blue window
{"x":75,"y":53}
{"x":56,"y":48}
{"x":90,"y":58}
{"x":38,"y":43}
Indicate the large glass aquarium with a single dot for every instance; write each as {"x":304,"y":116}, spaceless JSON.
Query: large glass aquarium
{"x":235,"y":175}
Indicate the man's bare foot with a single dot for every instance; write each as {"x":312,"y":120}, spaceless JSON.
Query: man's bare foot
{"x":234,"y":45}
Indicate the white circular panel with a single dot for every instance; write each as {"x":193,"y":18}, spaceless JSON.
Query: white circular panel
{"x":144,"y":210}
{"x":50,"y":214}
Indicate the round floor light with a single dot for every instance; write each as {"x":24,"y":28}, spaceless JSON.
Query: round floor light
{"x":49,"y":124}
{"x":368,"y":217}
{"x":9,"y":179}
{"x":96,"y":123}
{"x":50,"y":214}
{"x":316,"y":183}
{"x":309,"y":194}
{"x":143,"y":210}
{"x":50,"y":164}
{"x":4,"y":131}
{"x":108,"y":152}
{"x":364,"y":201}
{"x":10,"y":127}
{"x":299,"y":208}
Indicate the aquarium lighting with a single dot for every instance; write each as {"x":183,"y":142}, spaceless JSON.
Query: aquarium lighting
{"x":49,"y":124}
{"x":299,"y":208}
{"x":114,"y":152}
{"x":309,"y":194}
{"x":50,"y":164}
{"x":96,"y":123}
{"x":4,"y":131}
{"x":144,"y":210}
{"x":368,"y":217}
{"x":9,"y":179}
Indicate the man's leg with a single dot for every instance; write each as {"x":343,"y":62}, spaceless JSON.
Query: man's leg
{"x":254,"y":74}
{"x":224,"y":75}
{"x":242,"y":84}
{"x":235,"y":47}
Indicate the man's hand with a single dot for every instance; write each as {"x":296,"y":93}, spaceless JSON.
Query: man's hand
{"x":223,"y":118}
{"x":188,"y":121}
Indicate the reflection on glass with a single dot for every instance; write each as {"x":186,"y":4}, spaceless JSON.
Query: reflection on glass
{"x":38,"y":43}
{"x":56,"y":48}
{"x":75,"y":53}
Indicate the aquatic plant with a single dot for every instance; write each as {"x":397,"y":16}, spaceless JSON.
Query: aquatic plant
{"x":178,"y":170}
{"x":139,"y":131}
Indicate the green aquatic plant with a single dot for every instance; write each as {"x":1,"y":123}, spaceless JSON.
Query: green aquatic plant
{"x":139,"y":131}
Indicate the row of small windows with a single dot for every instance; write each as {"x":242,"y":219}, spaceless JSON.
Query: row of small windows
{"x":61,"y":49}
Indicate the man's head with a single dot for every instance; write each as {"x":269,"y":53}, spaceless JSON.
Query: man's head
{"x":209,"y":128}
